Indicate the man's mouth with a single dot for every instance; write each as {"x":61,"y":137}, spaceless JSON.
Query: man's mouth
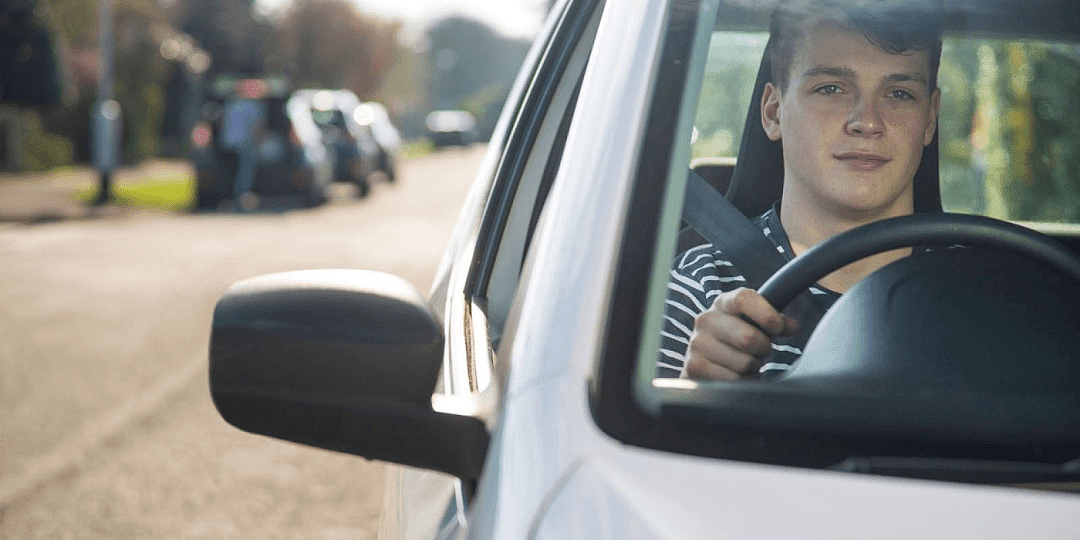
{"x":863,"y":161}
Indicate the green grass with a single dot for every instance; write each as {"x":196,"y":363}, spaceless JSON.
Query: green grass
{"x":174,"y":192}
{"x":417,"y":148}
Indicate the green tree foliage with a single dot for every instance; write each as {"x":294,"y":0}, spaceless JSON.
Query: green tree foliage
{"x":228,"y":30}
{"x":62,"y":133}
{"x":1010,"y":130}
{"x":472,"y":66}
{"x":726,"y":92}
{"x":29,"y":71}
{"x":140,"y":75}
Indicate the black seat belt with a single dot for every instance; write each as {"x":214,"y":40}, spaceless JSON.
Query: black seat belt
{"x":744,"y":244}
{"x":726,"y":228}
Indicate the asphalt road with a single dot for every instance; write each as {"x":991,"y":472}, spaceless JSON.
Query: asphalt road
{"x":107,"y":428}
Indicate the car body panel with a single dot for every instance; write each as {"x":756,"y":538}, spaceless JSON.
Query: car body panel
{"x":581,"y":224}
{"x":578,"y":234}
{"x":620,"y":492}
{"x":414,"y":493}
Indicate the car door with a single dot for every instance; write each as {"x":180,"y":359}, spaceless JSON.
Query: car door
{"x":482,"y":265}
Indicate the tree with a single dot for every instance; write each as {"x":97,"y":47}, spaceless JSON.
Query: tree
{"x":229,"y":32}
{"x":470,"y":63}
{"x":29,"y":71}
{"x":327,"y":43}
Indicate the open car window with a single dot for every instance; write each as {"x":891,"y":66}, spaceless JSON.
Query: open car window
{"x":1009,"y":149}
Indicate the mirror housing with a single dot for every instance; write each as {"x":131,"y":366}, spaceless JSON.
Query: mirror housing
{"x":345,"y":360}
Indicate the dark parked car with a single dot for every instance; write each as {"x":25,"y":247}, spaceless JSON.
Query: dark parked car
{"x":290,"y":160}
{"x":937,"y":398}
{"x":450,"y":128}
{"x":352,"y":145}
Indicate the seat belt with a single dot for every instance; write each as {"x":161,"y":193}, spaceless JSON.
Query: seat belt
{"x":726,"y":228}
{"x":744,"y":244}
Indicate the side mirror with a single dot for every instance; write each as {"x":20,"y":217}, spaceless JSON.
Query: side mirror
{"x":345,"y":360}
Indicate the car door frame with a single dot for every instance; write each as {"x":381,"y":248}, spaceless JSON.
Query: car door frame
{"x":458,"y":295}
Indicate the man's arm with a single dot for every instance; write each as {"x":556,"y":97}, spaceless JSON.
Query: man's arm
{"x":704,"y":335}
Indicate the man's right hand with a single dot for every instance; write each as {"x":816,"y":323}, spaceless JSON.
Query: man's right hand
{"x":724,"y":346}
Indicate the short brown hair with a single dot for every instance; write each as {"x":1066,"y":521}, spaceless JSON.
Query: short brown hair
{"x":894,"y":29}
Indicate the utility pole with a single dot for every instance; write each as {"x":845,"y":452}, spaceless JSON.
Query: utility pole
{"x":106,"y":116}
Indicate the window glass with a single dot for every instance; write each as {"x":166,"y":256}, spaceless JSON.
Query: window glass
{"x":1009,"y":148}
{"x":726,"y":89}
{"x":1010,"y":135}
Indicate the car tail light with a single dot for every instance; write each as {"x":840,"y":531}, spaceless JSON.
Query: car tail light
{"x":294,"y":137}
{"x":201,"y":135}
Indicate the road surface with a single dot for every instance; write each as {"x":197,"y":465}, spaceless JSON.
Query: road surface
{"x":108,"y":430}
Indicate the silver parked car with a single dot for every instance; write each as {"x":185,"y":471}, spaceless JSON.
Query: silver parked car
{"x":938,"y":398}
{"x":351,"y":143}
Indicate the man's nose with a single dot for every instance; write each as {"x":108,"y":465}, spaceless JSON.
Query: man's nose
{"x":865,"y":119}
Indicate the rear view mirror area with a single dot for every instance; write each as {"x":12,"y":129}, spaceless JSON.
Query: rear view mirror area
{"x":345,"y":360}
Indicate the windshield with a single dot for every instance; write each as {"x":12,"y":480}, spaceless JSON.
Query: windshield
{"x":1010,"y":148}
{"x":985,"y":130}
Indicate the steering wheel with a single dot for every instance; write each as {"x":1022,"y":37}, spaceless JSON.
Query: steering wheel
{"x":894,"y":233}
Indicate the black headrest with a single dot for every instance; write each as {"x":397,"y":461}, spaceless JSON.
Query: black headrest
{"x":758,"y":180}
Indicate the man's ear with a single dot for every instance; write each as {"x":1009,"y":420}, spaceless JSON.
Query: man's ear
{"x":770,"y":111}
{"x":931,"y":124}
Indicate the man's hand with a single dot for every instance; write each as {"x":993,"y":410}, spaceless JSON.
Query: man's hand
{"x":724,"y":346}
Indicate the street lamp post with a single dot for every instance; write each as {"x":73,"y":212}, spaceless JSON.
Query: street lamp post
{"x":105,"y":121}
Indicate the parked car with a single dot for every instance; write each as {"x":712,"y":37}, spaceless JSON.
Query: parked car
{"x":291,"y":159}
{"x":387,"y":137}
{"x":939,"y":398}
{"x":450,"y":128}
{"x":352,"y":144}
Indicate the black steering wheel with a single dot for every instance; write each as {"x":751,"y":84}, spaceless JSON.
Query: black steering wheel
{"x":894,"y":233}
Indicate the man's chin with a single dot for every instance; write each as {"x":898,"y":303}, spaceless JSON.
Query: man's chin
{"x":869,"y":209}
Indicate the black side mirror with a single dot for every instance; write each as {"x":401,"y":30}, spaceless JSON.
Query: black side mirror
{"x":345,"y":360}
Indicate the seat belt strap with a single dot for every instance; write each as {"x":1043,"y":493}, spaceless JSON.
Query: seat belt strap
{"x":745,"y":245}
{"x":727,"y":229}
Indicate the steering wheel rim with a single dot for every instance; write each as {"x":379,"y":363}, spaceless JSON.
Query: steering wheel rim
{"x":905,"y":231}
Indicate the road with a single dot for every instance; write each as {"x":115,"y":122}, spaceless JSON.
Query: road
{"x":107,"y":428}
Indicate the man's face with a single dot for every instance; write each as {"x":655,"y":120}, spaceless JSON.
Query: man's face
{"x":853,"y":120}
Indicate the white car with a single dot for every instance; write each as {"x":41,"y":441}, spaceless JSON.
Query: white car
{"x":940,"y":400}
{"x":387,"y":137}
{"x":450,"y":128}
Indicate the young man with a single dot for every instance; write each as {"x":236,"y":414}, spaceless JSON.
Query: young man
{"x":853,"y":101}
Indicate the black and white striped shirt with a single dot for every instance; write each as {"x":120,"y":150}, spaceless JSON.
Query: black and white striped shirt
{"x":699,"y":276}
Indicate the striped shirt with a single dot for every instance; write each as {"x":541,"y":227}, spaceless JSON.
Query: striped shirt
{"x":700,"y":274}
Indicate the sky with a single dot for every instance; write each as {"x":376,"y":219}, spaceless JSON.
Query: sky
{"x":514,"y":18}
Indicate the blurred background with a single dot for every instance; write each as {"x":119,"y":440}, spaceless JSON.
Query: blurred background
{"x":125,"y":128}
{"x":414,"y":57}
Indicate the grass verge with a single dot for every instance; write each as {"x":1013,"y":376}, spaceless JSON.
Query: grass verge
{"x":175,"y":192}
{"x":417,"y":148}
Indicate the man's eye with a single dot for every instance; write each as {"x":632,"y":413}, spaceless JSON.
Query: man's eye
{"x":901,"y":94}
{"x":827,"y":89}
